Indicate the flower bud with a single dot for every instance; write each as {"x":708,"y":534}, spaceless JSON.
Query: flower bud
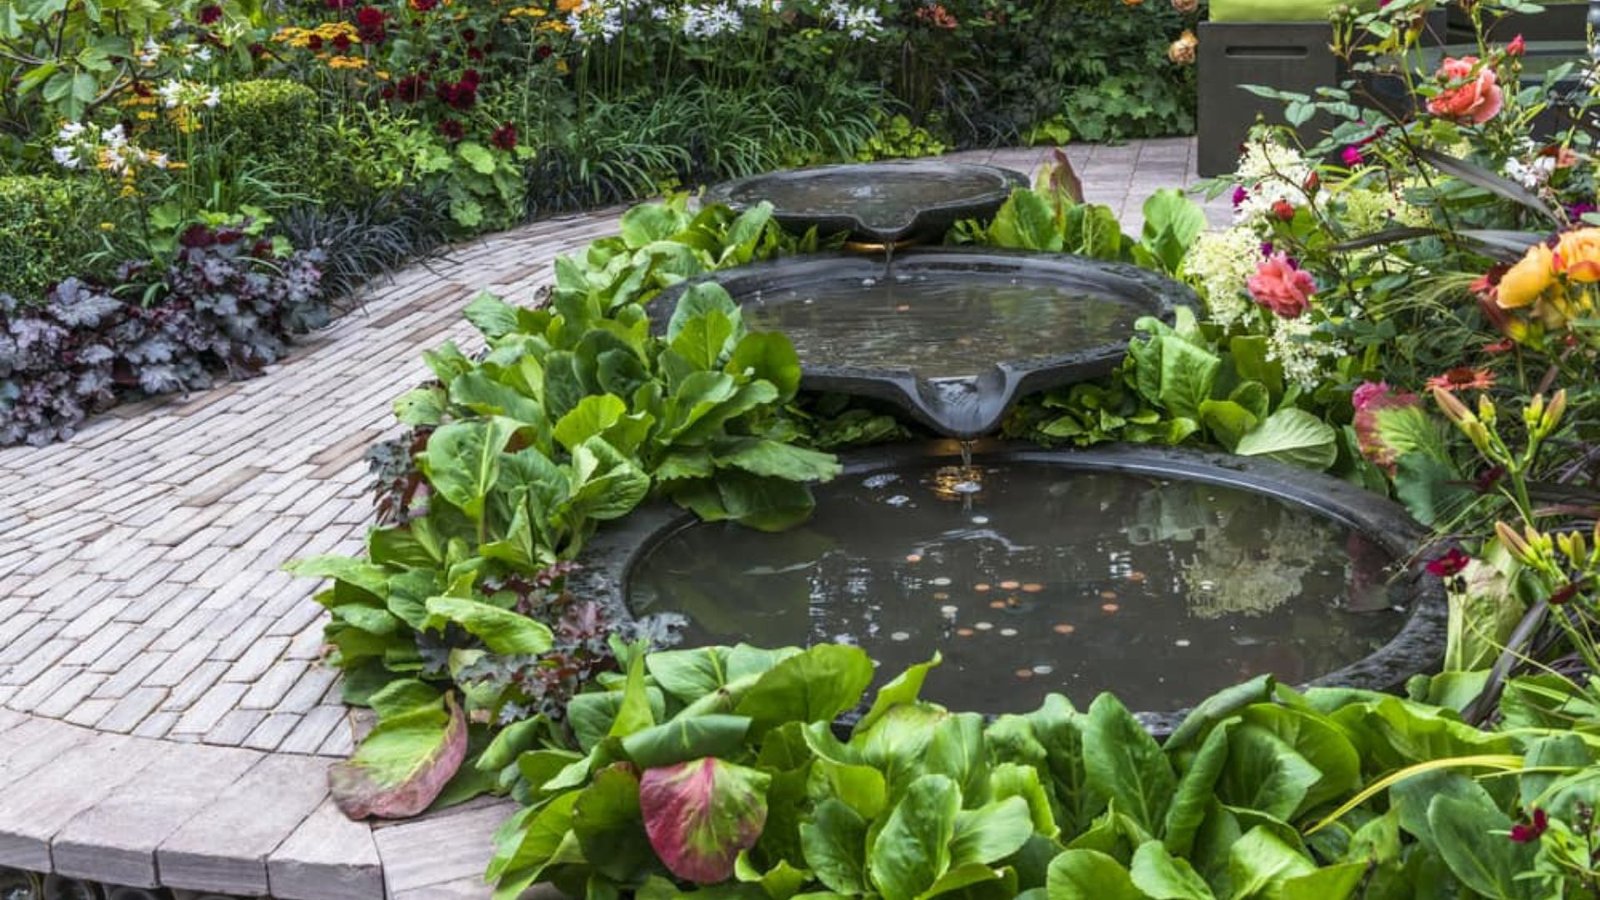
{"x":1453,"y":408}
{"x":1486,"y":410}
{"x":1513,"y":543}
{"x":1552,"y":414}
{"x":1574,"y":547}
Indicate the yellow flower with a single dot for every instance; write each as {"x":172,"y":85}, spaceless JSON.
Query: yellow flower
{"x":347,"y":62}
{"x":1524,"y":282}
{"x":1578,"y":255}
{"x":108,"y":226}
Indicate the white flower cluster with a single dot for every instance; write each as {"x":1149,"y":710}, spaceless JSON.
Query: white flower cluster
{"x":860,"y":22}
{"x":1272,"y":172}
{"x":83,"y":144}
{"x":1302,"y":356}
{"x":1218,"y":265}
{"x":711,"y":20}
{"x":597,"y":19}
{"x":188,"y":94}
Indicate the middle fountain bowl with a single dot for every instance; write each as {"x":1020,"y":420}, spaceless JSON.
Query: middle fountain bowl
{"x":951,"y":336}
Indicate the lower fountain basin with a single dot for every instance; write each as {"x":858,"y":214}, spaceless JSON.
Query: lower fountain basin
{"x":951,"y":336}
{"x":881,"y":202}
{"x":1160,"y":575}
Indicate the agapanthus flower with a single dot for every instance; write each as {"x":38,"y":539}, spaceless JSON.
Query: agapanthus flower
{"x":1462,"y":378}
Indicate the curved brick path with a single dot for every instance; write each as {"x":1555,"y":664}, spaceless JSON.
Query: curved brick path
{"x":163,"y":716}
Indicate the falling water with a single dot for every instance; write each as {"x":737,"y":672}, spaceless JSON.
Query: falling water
{"x":966,"y":454}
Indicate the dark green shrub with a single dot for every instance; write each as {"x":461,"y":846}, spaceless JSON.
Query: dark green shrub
{"x":270,"y":128}
{"x":47,"y":227}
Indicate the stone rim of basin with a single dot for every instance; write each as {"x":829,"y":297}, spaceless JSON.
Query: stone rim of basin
{"x":1416,"y":648}
{"x":967,"y":406}
{"x":933,"y":217}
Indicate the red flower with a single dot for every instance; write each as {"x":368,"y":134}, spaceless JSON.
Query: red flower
{"x":412,"y":88}
{"x":505,"y":137}
{"x":1517,"y":47}
{"x":1504,"y":346}
{"x":210,"y":15}
{"x":1462,"y":378}
{"x":341,"y":42}
{"x":469,"y":35}
{"x":340,"y":4}
{"x":542,"y":53}
{"x":451,"y":129}
{"x":1283,"y":209}
{"x":369,"y":25}
{"x":1282,"y":286}
{"x":1450,"y":564}
{"x":314,"y":42}
{"x":423,"y":5}
{"x":1527,"y":834}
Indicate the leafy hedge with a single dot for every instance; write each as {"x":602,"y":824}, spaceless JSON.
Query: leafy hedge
{"x":46,"y":230}
{"x":273,"y":127}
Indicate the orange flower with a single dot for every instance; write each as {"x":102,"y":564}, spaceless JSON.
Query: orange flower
{"x":1578,"y":255}
{"x":1526,"y":281}
{"x":1468,"y":97}
{"x":1462,"y":378}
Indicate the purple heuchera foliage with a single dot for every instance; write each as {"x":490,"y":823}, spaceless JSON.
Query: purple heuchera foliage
{"x":225,"y":307}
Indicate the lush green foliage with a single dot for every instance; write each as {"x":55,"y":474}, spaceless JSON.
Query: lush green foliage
{"x":47,"y":229}
{"x":721,"y":767}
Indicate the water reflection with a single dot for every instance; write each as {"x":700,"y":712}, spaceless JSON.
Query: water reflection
{"x":1041,"y":580}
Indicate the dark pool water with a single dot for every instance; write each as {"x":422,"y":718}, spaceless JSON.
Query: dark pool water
{"x":884,"y":198}
{"x":941,"y":325}
{"x":1044,"y":580}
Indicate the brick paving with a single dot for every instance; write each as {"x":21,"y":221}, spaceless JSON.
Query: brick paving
{"x":143,"y":609}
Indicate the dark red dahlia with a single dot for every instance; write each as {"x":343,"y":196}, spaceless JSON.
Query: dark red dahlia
{"x":314,"y":43}
{"x":543,"y":52}
{"x":505,"y":137}
{"x":211,"y":14}
{"x":412,"y":88}
{"x":451,"y":129}
{"x":423,"y":5}
{"x":369,"y":25}
{"x":341,"y":43}
{"x":469,"y":35}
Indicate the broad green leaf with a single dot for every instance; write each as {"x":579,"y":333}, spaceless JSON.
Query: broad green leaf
{"x":501,"y":630}
{"x":700,"y":814}
{"x":1026,"y":222}
{"x":1464,"y":833}
{"x":990,"y":833}
{"x":698,"y":302}
{"x":1090,"y":875}
{"x":686,"y":738}
{"x":1008,"y":780}
{"x":462,"y":460}
{"x":608,"y":823}
{"x":404,"y":762}
{"x":1260,"y":862}
{"x":768,"y":356}
{"x":1336,"y":882}
{"x":815,"y":685}
{"x":491,"y":315}
{"x":1264,"y":773}
{"x":590,"y":418}
{"x":1195,"y":792}
{"x":774,"y":459}
{"x":1124,"y":763}
{"x":912,"y":849}
{"x":1162,"y":876}
{"x":1187,"y":375}
{"x":834,"y":839}
{"x":1227,"y":420}
{"x":905,"y":688}
{"x":1292,"y":436}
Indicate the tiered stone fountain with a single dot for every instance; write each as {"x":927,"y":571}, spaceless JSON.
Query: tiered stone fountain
{"x":1162,"y":575}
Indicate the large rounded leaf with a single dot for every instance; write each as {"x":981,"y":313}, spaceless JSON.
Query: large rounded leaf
{"x":403,"y":764}
{"x":700,"y":814}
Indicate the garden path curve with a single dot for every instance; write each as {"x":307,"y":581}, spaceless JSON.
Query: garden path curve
{"x":164,"y":719}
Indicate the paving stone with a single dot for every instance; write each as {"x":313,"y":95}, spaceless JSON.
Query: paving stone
{"x":226,"y":846}
{"x":274,"y":685}
{"x":235,"y":727}
{"x":33,"y":810}
{"x":257,"y":660}
{"x":69,"y":695}
{"x":125,"y":650}
{"x":116,"y":840}
{"x":132,"y":709}
{"x":271,"y":732}
{"x":88,"y":713}
{"x":183,"y":661}
{"x":204,"y":714}
{"x":313,"y":729}
{"x":33,"y":743}
{"x":439,"y":849}
{"x":156,"y":725}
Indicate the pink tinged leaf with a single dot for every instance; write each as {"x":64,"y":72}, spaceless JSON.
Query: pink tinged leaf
{"x":403,"y":764}
{"x":700,"y":814}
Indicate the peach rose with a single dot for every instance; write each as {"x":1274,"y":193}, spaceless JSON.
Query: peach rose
{"x":1468,"y":97}
{"x":1282,"y":287}
{"x":1523,"y":283}
{"x":1578,"y":255}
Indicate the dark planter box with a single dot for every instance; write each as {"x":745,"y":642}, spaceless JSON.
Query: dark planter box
{"x":1558,"y":22}
{"x":1288,"y":56}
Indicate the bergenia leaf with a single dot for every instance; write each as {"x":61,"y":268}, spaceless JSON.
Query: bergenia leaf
{"x":403,"y":764}
{"x":700,"y":814}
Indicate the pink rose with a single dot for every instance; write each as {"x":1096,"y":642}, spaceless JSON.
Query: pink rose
{"x":1469,"y":98}
{"x":1282,"y":287}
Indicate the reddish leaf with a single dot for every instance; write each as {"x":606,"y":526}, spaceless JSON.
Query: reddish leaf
{"x":403,"y":764}
{"x":700,"y":814}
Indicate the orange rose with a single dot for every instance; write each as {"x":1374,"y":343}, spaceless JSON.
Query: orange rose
{"x":1578,"y":255}
{"x":1468,"y":97}
{"x":1523,"y":283}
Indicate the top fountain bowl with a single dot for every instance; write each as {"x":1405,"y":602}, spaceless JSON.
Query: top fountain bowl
{"x":951,"y":336}
{"x":882,"y":202}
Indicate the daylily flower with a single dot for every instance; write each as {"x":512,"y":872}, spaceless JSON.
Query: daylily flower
{"x":1577,"y":255}
{"x":1527,"y":834}
{"x":1462,"y":378}
{"x":1451,"y":563}
{"x":1522,"y":284}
